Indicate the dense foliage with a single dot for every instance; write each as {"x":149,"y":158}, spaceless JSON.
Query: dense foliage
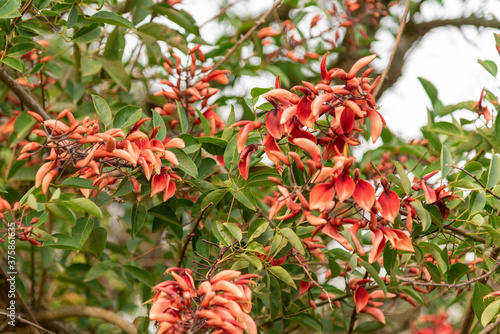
{"x":139,"y":193}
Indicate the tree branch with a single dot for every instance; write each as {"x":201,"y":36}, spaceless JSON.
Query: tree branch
{"x":243,"y":38}
{"x":87,"y":311}
{"x":394,"y":49}
{"x":191,"y":234}
{"x":24,"y":321}
{"x":28,"y":100}
{"x":456,"y":285}
{"x":476,"y":179}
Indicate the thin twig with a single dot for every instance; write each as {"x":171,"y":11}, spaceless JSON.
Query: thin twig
{"x":191,"y":234}
{"x":28,"y":100}
{"x":306,"y":270}
{"x":88,"y":311}
{"x":21,"y":299}
{"x":394,"y":49}
{"x":475,"y":179}
{"x":24,"y":321}
{"x":243,"y":38}
{"x":456,"y":285}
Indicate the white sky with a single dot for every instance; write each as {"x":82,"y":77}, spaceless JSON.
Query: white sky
{"x":447,"y":57}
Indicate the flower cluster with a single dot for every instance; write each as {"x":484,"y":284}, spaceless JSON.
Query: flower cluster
{"x":82,"y":145}
{"x":221,"y":303}
{"x":192,"y":85}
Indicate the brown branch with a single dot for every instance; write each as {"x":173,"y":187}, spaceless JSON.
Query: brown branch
{"x":243,"y":38}
{"x":465,"y":234}
{"x":451,"y":286}
{"x":27,"y":322}
{"x":313,"y":281}
{"x":21,"y":299}
{"x":490,"y":328}
{"x":394,"y":49}
{"x":191,"y":234}
{"x":476,"y":179}
{"x":28,"y":100}
{"x":87,"y":311}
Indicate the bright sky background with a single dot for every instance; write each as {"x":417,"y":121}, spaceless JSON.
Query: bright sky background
{"x":447,"y":57}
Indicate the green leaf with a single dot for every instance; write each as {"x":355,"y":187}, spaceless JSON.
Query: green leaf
{"x":222,"y":233}
{"x":256,"y":92}
{"x":73,"y":16}
{"x":158,"y":121}
{"x":207,"y":167}
{"x":234,"y":230}
{"x":429,"y":89}
{"x":283,"y":275}
{"x":97,"y":241}
{"x":82,"y":229}
{"x":115,"y":69}
{"x":478,"y":301}
{"x":446,"y":129}
{"x":20,"y":49}
{"x":245,"y":197}
{"x":214,"y":197}
{"x":103,"y":110}
{"x":477,"y":202}
{"x":87,"y":34}
{"x":456,"y":272}
{"x":445,"y":110}
{"x":293,"y":239}
{"x":139,"y":274}
{"x":433,"y":271}
{"x":113,"y":19}
{"x":138,"y":218}
{"x":489,"y":66}
{"x":490,"y":312}
{"x":186,"y":164}
{"x":446,"y":159}
{"x":422,"y":214}
{"x":374,"y":274}
{"x":178,"y":17}
{"x":62,"y":212}
{"x":164,"y":212}
{"x":62,"y":241}
{"x":78,"y":183}
{"x":495,"y":234}
{"x":308,"y":321}
{"x":8,"y":7}
{"x":493,"y":171}
{"x":405,"y":181}
{"x":22,"y":126}
{"x":183,"y":121}
{"x":436,"y":254}
{"x":275,"y":297}
{"x":253,"y":260}
{"x":87,"y":205}
{"x":256,"y":228}
{"x":127,"y":116}
{"x":14,"y":63}
{"x":98,"y":270}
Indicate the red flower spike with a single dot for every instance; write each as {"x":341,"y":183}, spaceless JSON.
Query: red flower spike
{"x":158,"y":184}
{"x":244,"y":164}
{"x":430,"y":194}
{"x":304,"y":287}
{"x":344,"y":186}
{"x":309,"y":147}
{"x":313,"y":220}
{"x":298,"y":161}
{"x":359,"y":65}
{"x":347,"y":120}
{"x":378,"y":241}
{"x":389,"y":203}
{"x":243,"y":134}
{"x":352,"y":232}
{"x":360,"y":298}
{"x":377,"y":123}
{"x":324,"y":72}
{"x":364,"y":194}
{"x":321,"y":195}
{"x":402,"y":242}
{"x":332,"y":232}
{"x":304,"y":111}
{"x":273,"y":124}
{"x":270,"y":145}
{"x":409,"y":219}
{"x":280,"y":94}
{"x":376,"y":313}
